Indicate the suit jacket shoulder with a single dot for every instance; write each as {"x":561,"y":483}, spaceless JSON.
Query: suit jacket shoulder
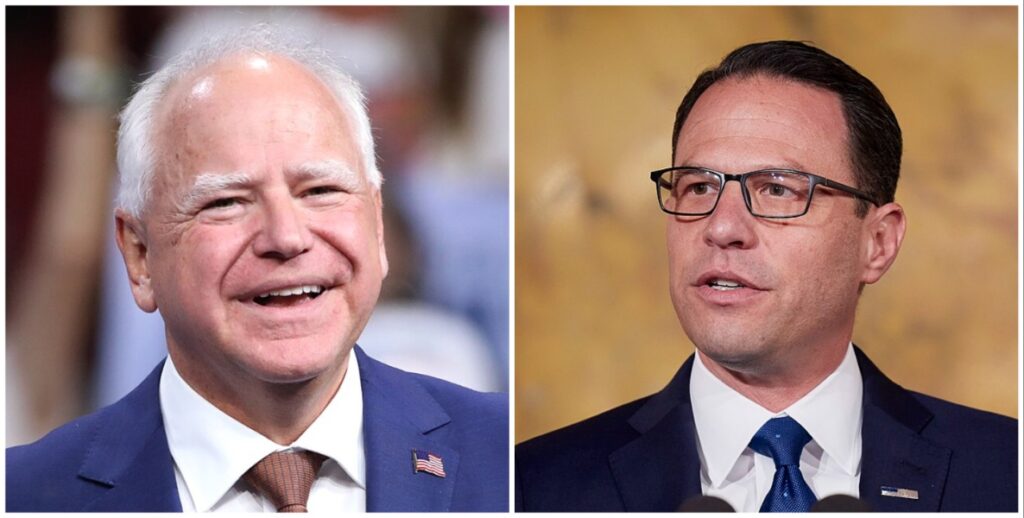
{"x":467,"y":430}
{"x":92,"y":463}
{"x":469,"y":407}
{"x":569,"y":469}
{"x":640,"y":456}
{"x":43,"y":476}
{"x":953,"y":458}
{"x":983,"y":433}
{"x":983,"y":470}
{"x":476,"y":419}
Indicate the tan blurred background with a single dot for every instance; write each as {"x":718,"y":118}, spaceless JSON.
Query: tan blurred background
{"x":596,"y":93}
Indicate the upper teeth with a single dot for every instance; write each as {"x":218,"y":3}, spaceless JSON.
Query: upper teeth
{"x":298,"y":290}
{"x":724,"y":283}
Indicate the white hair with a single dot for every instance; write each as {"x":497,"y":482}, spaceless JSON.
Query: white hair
{"x":136,"y":143}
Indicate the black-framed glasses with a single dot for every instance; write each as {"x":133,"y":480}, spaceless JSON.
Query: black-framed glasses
{"x":768,"y":193}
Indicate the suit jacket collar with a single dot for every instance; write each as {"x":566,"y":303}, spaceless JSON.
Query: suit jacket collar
{"x":660,"y":469}
{"x":895,"y":454}
{"x":129,"y":454}
{"x":400,"y":416}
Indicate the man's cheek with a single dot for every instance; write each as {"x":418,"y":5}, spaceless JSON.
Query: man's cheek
{"x":205,"y":261}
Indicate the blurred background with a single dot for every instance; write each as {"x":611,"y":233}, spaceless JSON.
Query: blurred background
{"x":437,"y":84}
{"x":595,"y":98}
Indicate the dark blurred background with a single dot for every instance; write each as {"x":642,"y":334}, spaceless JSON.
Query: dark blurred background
{"x":437,"y":83}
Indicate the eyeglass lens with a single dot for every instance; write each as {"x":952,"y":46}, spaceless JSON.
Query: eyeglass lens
{"x":772,"y":193}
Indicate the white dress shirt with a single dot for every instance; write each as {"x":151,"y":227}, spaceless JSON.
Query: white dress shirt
{"x":726,"y":421}
{"x":212,"y":450}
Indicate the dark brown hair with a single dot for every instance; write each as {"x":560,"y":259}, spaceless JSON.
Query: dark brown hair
{"x":875,"y":139}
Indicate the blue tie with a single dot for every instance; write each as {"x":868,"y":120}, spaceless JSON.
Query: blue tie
{"x":783,"y":439}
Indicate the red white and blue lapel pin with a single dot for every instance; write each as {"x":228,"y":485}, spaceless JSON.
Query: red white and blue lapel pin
{"x":428,"y":463}
{"x":899,"y":492}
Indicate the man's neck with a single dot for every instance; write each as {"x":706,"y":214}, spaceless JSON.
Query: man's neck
{"x":777,"y":388}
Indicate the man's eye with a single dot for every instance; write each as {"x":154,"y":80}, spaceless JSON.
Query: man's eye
{"x":699,"y":189}
{"x":221,"y":203}
{"x":322,"y":190}
{"x":777,"y":190}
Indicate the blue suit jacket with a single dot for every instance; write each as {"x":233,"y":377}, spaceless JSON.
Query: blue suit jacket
{"x":117,"y":459}
{"x":643,"y":456}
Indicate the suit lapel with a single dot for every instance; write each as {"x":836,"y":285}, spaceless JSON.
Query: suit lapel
{"x":400,"y":416}
{"x":129,"y":455}
{"x":660,"y":469}
{"x":895,"y":455}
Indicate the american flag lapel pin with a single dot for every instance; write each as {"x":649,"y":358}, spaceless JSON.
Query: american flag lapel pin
{"x":899,"y":492}
{"x":427,"y":462}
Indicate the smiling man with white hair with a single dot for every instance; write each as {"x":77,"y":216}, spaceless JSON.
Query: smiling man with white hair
{"x":249,"y":214}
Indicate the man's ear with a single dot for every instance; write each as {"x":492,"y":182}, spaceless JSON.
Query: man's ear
{"x":132,"y":243}
{"x":380,"y":234}
{"x":884,"y":228}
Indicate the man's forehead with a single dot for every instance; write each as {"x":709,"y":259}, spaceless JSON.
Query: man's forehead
{"x":772,"y":101}
{"x":776,"y":121}
{"x":227,"y":108}
{"x":236,"y":77}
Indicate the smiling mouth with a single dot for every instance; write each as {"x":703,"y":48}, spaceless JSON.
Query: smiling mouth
{"x":289,"y":296}
{"x":724,"y":285}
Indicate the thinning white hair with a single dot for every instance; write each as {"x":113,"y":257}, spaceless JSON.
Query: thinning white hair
{"x":136,"y":141}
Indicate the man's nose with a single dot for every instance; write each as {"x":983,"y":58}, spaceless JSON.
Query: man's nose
{"x":284,"y":233}
{"x":731,"y":225}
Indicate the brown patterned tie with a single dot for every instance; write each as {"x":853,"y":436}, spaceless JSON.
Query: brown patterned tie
{"x":285,"y":478}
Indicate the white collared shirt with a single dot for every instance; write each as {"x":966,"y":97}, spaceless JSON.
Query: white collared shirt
{"x":726,"y":421}
{"x":212,"y":450}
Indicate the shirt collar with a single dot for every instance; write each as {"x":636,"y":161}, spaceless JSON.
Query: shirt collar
{"x":212,"y":450}
{"x":726,"y":420}
{"x":832,"y":413}
{"x":338,"y":431}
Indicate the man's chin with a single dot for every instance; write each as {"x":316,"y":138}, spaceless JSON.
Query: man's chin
{"x":288,"y":375}
{"x":297,"y":366}
{"x":736,"y":351}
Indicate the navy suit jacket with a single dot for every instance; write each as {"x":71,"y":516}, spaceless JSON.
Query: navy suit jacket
{"x":643,"y":456}
{"x":117,"y":459}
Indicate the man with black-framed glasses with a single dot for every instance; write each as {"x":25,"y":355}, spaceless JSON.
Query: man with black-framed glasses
{"x":780,"y":209}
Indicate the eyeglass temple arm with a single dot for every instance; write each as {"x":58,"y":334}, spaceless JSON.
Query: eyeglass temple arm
{"x":845,"y":188}
{"x":659,"y":180}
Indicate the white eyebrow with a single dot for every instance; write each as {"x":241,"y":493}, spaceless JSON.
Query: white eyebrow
{"x":333,"y":170}
{"x":206,"y":184}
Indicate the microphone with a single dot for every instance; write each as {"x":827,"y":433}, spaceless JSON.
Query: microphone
{"x":840,"y":504}
{"x":705,"y":504}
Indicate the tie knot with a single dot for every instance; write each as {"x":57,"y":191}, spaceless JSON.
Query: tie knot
{"x":285,"y":478}
{"x":782,"y":439}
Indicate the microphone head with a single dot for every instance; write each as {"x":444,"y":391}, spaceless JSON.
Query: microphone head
{"x":706,"y":504}
{"x":840,"y":504}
